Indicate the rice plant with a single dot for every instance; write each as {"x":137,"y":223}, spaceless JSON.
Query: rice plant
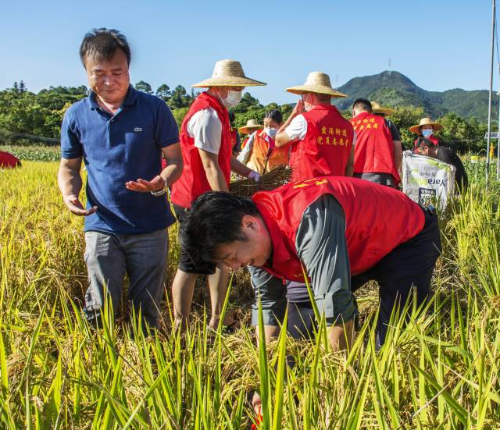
{"x":439,"y":371}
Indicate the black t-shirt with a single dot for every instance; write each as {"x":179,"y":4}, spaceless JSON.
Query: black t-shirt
{"x":394,"y":130}
{"x":447,"y":155}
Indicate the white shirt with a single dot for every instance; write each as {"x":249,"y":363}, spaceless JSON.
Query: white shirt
{"x":206,"y":129}
{"x":247,"y":150}
{"x":297,"y":129}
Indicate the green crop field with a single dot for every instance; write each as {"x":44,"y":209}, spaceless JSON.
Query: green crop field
{"x":441,"y":371}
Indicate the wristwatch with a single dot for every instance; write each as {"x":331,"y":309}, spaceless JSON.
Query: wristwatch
{"x":162,"y":191}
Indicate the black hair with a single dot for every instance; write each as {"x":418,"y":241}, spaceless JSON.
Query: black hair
{"x":102,"y":44}
{"x":232,"y":117}
{"x":364,"y":104}
{"x":423,"y":142}
{"x":213,"y":220}
{"x":275,"y":115}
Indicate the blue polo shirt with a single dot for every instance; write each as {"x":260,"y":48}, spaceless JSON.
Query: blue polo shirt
{"x":120,"y":148}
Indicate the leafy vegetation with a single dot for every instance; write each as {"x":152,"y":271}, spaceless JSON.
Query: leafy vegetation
{"x":440,"y":371}
{"x":27,"y":118}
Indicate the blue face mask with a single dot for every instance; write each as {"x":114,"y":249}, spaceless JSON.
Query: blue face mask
{"x":427,"y":132}
{"x":271,"y":132}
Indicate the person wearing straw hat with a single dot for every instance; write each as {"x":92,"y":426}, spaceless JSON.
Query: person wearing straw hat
{"x":249,"y":130}
{"x":322,"y":139}
{"x":377,"y":158}
{"x":426,"y":128}
{"x":384,"y":112}
{"x":208,"y":162}
{"x":261,"y":153}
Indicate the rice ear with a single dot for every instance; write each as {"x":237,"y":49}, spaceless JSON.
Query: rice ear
{"x":268,"y":181}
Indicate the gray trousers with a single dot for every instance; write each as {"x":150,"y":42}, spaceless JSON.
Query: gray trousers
{"x":143,"y":257}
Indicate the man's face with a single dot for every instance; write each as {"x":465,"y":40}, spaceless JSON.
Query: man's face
{"x":255,"y":251}
{"x":110,"y":80}
{"x":308,"y":99}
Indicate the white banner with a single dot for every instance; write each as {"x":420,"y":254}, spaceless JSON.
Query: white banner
{"x":427,"y":180}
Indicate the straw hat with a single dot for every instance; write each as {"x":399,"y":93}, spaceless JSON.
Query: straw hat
{"x":376,"y":108}
{"x":228,"y":73}
{"x":250,"y":127}
{"x":425,"y":121}
{"x":317,"y":82}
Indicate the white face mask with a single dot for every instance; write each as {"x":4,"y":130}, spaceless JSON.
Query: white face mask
{"x":271,"y":132}
{"x":232,"y":98}
{"x":427,"y":132}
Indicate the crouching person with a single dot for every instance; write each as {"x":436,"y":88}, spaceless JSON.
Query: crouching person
{"x":121,"y":134}
{"x":340,"y":230}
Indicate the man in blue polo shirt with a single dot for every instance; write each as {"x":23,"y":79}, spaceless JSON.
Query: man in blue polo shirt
{"x":120,"y":134}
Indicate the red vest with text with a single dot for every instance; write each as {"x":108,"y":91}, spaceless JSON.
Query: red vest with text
{"x":432,"y":138}
{"x":374,"y":150}
{"x":377,"y":218}
{"x":193,"y":181}
{"x":325,"y":149}
{"x":8,"y":160}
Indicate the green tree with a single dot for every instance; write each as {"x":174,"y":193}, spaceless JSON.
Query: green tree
{"x":163,"y":92}
{"x":179,"y":98}
{"x":144,"y":87}
{"x":179,"y":115}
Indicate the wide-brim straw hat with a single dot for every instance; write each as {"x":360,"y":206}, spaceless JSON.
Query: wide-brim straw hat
{"x":376,"y":108}
{"x":426,"y":121}
{"x":228,"y":73}
{"x":250,"y":127}
{"x":319,"y":83}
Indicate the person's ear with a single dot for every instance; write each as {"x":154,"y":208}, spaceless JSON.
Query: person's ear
{"x":249,"y":222}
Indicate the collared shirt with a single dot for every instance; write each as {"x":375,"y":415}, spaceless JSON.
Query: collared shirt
{"x":120,"y":148}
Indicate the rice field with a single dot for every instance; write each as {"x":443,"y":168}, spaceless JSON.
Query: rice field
{"x":441,"y":371}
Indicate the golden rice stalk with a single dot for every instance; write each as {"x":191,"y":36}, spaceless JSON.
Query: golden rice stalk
{"x":268,"y":181}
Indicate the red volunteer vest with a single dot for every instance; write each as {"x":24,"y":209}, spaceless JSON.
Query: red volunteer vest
{"x":325,"y":149}
{"x":193,"y":181}
{"x":8,"y":160}
{"x":374,"y":150}
{"x":378,"y":219}
{"x":432,"y":138}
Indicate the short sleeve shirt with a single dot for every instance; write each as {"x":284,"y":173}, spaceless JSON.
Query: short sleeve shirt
{"x":297,"y":129}
{"x":393,"y":129}
{"x":120,"y":148}
{"x":206,"y":129}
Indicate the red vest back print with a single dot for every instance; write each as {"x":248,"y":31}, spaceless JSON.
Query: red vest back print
{"x":378,"y":219}
{"x":374,"y":150}
{"x":193,"y":181}
{"x":325,"y":149}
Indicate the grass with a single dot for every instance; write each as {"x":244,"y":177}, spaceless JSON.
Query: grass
{"x":441,"y":371}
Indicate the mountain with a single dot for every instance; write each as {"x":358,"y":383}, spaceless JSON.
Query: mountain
{"x":395,"y":89}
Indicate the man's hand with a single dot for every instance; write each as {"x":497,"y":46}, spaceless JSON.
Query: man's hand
{"x":298,"y":109}
{"x":143,"y":186}
{"x":76,"y":207}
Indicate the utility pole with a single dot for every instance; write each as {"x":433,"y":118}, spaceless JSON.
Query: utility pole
{"x":498,"y":135}
{"x":493,"y":22}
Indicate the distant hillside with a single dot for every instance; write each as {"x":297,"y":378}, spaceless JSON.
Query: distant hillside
{"x":395,"y":89}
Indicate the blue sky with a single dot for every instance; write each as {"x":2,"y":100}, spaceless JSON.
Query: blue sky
{"x":440,"y":44}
